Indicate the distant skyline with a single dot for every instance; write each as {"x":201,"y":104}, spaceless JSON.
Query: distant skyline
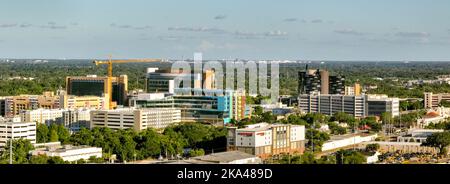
{"x":355,"y":30}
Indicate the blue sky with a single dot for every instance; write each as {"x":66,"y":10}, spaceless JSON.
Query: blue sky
{"x":297,"y":29}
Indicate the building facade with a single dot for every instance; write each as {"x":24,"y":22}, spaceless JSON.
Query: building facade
{"x":433,"y":100}
{"x":75,"y":120}
{"x":92,"y":85}
{"x":314,"y":81}
{"x":13,"y":105}
{"x":330,"y":104}
{"x":215,"y":110}
{"x":12,"y":129}
{"x":166,"y":81}
{"x":379,"y":104}
{"x":264,"y":140}
{"x":47,"y":116}
{"x":81,"y":102}
{"x":137,"y":119}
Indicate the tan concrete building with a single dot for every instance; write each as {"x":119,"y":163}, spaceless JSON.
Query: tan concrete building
{"x":82,"y":102}
{"x":13,"y":105}
{"x":432,"y":100}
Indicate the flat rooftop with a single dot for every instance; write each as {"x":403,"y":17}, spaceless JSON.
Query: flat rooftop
{"x":346,"y":136}
{"x":224,"y":157}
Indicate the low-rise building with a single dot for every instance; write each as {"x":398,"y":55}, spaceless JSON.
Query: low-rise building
{"x":70,"y":153}
{"x":265,"y":139}
{"x":137,"y":119}
{"x":417,"y":135}
{"x":403,"y":147}
{"x":342,"y":141}
{"x":431,"y":118}
{"x":15,"y":129}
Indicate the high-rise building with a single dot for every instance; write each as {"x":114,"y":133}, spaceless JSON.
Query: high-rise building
{"x":15,"y":129}
{"x":330,"y":104}
{"x":93,"y":85}
{"x":215,"y":110}
{"x":313,"y":81}
{"x":265,"y":140}
{"x":165,"y":81}
{"x":433,"y":100}
{"x":379,"y":104}
{"x":137,"y":119}
{"x":74,"y":120}
{"x":337,"y":85}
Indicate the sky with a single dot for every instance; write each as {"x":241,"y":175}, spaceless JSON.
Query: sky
{"x":356,"y":30}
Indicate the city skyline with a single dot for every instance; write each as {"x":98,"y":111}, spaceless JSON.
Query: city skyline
{"x":301,"y":30}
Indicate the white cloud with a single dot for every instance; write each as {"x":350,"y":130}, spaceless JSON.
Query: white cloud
{"x":290,"y":20}
{"x":317,"y":21}
{"x":349,"y":32}
{"x":25,"y":25}
{"x":7,"y":25}
{"x":276,"y":33}
{"x":197,"y":29}
{"x":413,"y":34}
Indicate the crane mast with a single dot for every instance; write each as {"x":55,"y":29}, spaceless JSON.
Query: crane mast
{"x":110,"y":72}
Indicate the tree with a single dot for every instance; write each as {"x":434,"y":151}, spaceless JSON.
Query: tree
{"x":444,"y":103}
{"x":196,"y":152}
{"x":438,"y":140}
{"x":20,"y":149}
{"x":56,"y":160}
{"x":372,"y":147}
{"x":268,"y":117}
{"x":350,"y":157}
{"x":63,"y":134}
{"x":42,"y":133}
{"x":317,"y":138}
{"x":336,"y":129}
{"x":258,"y":110}
{"x":386,"y":117}
{"x":39,"y":159}
{"x":54,"y":136}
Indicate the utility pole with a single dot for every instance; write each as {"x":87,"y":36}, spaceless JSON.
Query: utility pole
{"x":10,"y":145}
{"x":312,"y":137}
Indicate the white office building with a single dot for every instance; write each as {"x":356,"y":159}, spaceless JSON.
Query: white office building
{"x":137,"y":119}
{"x":74,"y":120}
{"x":47,"y":116}
{"x":15,"y":129}
{"x":330,"y":104}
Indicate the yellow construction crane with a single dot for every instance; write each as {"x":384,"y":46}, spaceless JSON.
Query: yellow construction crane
{"x":110,"y":72}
